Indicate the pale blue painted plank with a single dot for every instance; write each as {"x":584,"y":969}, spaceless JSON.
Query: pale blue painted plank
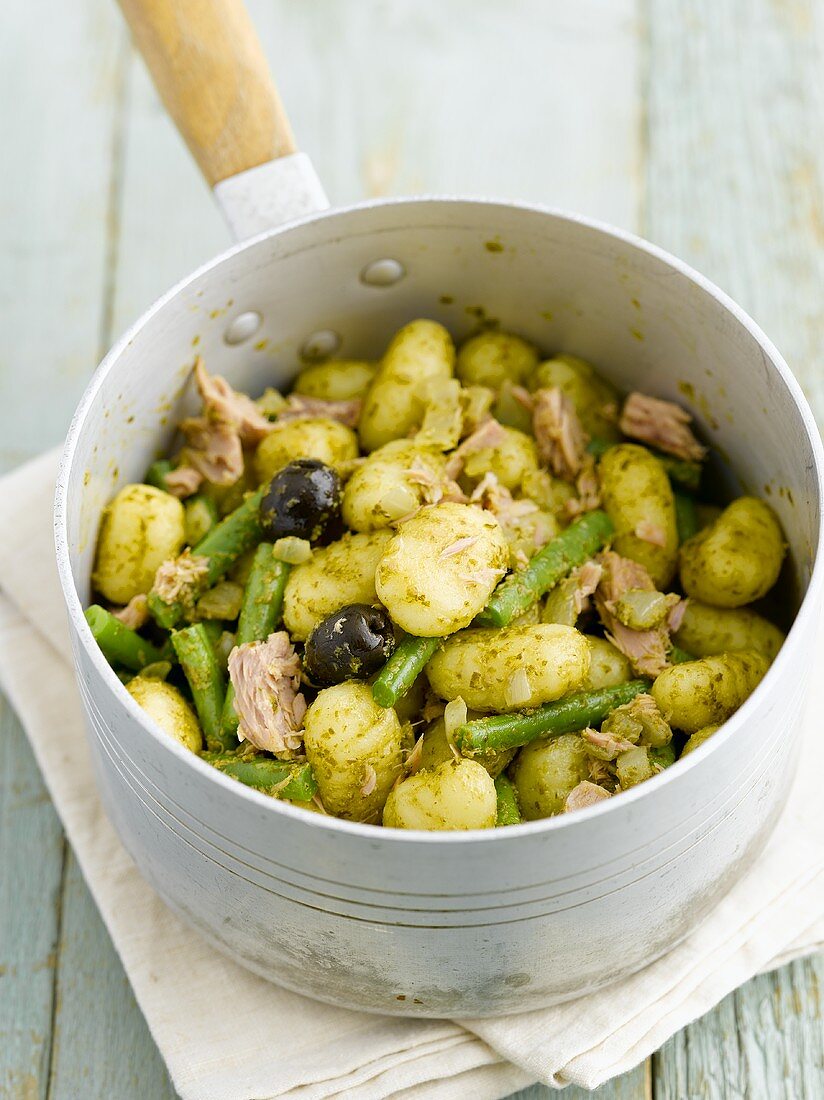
{"x":102,"y":1046}
{"x":735,"y":185}
{"x":31,"y":860}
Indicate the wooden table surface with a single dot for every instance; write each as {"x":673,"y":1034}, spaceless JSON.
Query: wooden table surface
{"x":697,"y":122}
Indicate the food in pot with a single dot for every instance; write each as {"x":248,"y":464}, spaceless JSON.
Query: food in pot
{"x":450,"y":590}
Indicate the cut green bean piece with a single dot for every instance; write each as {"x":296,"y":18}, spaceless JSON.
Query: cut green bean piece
{"x":583,"y":538}
{"x":259,"y":614}
{"x":568,"y":715}
{"x":402,"y":670}
{"x":120,"y":644}
{"x":681,"y":471}
{"x":508,"y":810}
{"x":686,"y":517}
{"x":196,"y":653}
{"x":164,"y":614}
{"x":662,"y":755}
{"x":678,"y":656}
{"x":156,"y":474}
{"x":222,"y":546}
{"x":292,"y":780}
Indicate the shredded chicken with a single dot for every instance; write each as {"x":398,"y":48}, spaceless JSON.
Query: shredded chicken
{"x":561,"y":439}
{"x":523,"y":397}
{"x":588,"y":488}
{"x":653,"y":533}
{"x":222,"y":403}
{"x":370,"y":781}
{"x":266,"y":678}
{"x":180,"y":580}
{"x":620,"y":574}
{"x":413,"y":761}
{"x":184,"y":481}
{"x":607,"y":742}
{"x":599,"y":771}
{"x":585,"y":794}
{"x":458,"y":546}
{"x":135,"y":614}
{"x":484,"y":575}
{"x":298,"y":407}
{"x":213,"y":449}
{"x":661,"y":424}
{"x":489,"y":434}
{"x":676,"y":616}
{"x":646,"y":649}
{"x":497,"y":499}
{"x":588,"y":578}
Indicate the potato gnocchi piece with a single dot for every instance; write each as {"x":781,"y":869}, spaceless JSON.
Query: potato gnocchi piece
{"x":393,"y":481}
{"x":339,"y":380}
{"x":166,"y":706}
{"x":608,"y":666}
{"x":492,"y":358}
{"x":706,"y":631}
{"x":545,"y":772}
{"x":335,"y":575}
{"x":354,"y":747}
{"x":310,"y":437}
{"x":708,"y":691}
{"x":436,"y":750}
{"x":141,"y":528}
{"x":512,"y":668}
{"x":638,"y":499}
{"x":698,"y":738}
{"x":737,"y":559}
{"x":440,"y":568}
{"x":511,"y":460}
{"x":458,"y":794}
{"x":394,"y":404}
{"x":596,"y":400}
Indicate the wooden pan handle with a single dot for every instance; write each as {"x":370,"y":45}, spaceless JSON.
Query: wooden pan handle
{"x":212,"y":75}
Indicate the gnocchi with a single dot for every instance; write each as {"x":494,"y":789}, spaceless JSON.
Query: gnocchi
{"x":444,"y":598}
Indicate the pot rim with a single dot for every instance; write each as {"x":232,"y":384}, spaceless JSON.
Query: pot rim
{"x":731,"y":728}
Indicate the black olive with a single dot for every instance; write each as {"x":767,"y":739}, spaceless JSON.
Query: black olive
{"x":350,"y":644}
{"x":303,"y":500}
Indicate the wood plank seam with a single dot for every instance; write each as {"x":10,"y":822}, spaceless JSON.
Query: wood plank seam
{"x":48,"y":1059}
{"x":115,"y":195}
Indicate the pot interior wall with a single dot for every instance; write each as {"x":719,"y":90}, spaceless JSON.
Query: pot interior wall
{"x":565,"y":285}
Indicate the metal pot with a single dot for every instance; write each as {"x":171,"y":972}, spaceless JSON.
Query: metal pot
{"x":430,"y":924}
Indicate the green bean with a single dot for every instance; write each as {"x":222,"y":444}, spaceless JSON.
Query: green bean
{"x":292,"y":780}
{"x":402,"y":670}
{"x":662,"y":755}
{"x":686,"y":518}
{"x":508,"y":810}
{"x":233,"y":536}
{"x":201,"y":516}
{"x":120,"y":644}
{"x":680,"y":471}
{"x":678,"y":656}
{"x":571,"y":548}
{"x":166,"y":615}
{"x":221,"y":547}
{"x":156,"y":474}
{"x":259,"y":614}
{"x":568,"y":715}
{"x":197,"y":657}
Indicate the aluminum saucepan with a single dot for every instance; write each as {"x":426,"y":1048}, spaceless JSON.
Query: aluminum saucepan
{"x":427,"y":924}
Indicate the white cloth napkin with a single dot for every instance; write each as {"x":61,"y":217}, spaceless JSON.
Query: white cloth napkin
{"x":227,"y":1035}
